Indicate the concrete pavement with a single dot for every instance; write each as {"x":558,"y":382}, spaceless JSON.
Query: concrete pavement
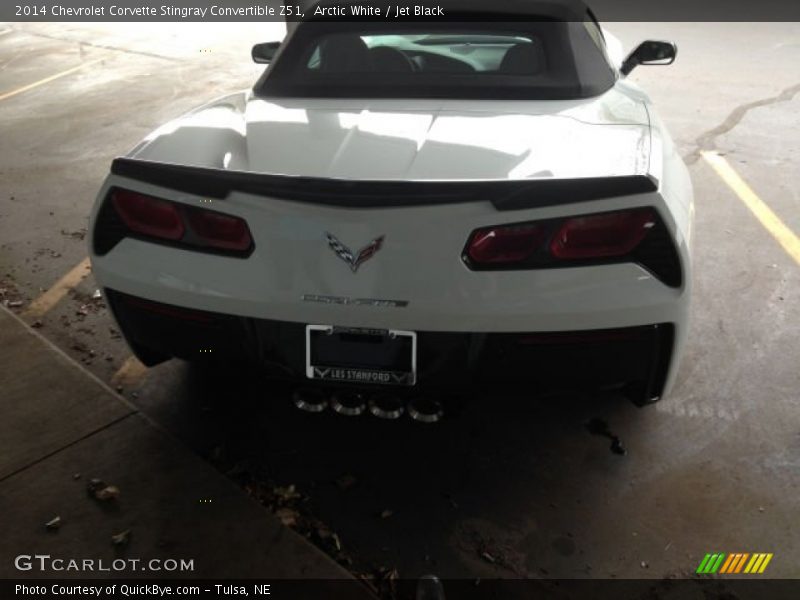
{"x":61,"y":427}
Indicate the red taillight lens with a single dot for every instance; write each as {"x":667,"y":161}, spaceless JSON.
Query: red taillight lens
{"x":636,"y":235}
{"x":192,"y":227}
{"x":220,"y":231}
{"x":497,"y":245}
{"x":602,"y":235}
{"x":148,"y":216}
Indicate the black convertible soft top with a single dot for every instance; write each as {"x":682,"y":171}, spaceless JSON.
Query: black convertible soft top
{"x":559,"y":53}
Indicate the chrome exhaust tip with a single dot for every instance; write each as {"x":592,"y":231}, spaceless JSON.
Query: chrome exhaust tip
{"x":386,"y":406}
{"x":429,"y":587}
{"x":425,"y":410}
{"x":310,"y":400}
{"x":349,"y":403}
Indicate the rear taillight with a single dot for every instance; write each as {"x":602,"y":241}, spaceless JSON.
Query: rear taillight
{"x":218,"y":230}
{"x":602,"y":236}
{"x":505,"y":244}
{"x":148,"y":216}
{"x":635,"y":235}
{"x":132,"y":213}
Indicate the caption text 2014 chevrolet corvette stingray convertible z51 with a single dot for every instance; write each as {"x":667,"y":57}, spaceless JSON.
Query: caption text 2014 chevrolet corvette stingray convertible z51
{"x":401,"y":205}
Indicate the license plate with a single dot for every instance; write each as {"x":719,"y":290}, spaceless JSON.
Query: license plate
{"x":356,"y":355}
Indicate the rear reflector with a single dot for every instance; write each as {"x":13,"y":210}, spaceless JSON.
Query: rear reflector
{"x":603,"y":235}
{"x":582,"y":337}
{"x":505,"y":244}
{"x":167,"y":310}
{"x":218,"y":230}
{"x":148,"y":216}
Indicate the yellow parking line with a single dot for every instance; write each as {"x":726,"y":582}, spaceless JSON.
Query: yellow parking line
{"x":131,"y":370}
{"x":771,"y":222}
{"x":129,"y":373}
{"x":36,"y":84}
{"x":53,"y":296}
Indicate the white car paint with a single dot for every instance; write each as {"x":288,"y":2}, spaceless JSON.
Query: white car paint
{"x":435,"y":140}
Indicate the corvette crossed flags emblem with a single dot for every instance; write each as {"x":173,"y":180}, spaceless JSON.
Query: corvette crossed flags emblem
{"x":354,"y":260}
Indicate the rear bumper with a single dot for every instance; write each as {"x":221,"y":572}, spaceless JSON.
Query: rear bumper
{"x":639,"y":357}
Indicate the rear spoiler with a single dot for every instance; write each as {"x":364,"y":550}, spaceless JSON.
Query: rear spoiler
{"x":503,"y":194}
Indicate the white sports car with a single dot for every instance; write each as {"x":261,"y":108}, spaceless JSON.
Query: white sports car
{"x":402,"y":204}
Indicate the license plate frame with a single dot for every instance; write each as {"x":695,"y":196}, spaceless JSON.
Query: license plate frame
{"x":321,"y":369}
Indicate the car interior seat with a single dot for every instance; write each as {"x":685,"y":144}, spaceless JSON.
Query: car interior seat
{"x":344,"y":53}
{"x":525,"y":58}
{"x":386,"y":59}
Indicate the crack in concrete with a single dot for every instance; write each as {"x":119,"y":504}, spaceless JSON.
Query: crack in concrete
{"x":66,"y":445}
{"x":707,"y":141}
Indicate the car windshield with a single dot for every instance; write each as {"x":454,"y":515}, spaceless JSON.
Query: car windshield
{"x":529,"y":60}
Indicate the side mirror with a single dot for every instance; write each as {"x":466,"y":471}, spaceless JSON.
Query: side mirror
{"x":264,"y":53}
{"x":650,"y":52}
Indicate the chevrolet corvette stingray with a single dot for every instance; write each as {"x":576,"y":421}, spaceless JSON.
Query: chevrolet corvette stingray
{"x":402,"y":205}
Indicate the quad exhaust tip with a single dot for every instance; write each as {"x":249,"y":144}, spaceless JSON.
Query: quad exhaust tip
{"x":386,"y":406}
{"x":425,"y":410}
{"x":353,"y":403}
{"x":310,"y":400}
{"x":349,"y":403}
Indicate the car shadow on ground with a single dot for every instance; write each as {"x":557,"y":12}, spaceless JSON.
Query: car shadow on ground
{"x":406,"y":495}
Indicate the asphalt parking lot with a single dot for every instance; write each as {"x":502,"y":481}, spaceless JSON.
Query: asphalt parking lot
{"x":512,"y":487}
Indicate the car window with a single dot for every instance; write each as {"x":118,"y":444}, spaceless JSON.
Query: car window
{"x":453,"y":60}
{"x":440,"y":53}
{"x":595,"y":34}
